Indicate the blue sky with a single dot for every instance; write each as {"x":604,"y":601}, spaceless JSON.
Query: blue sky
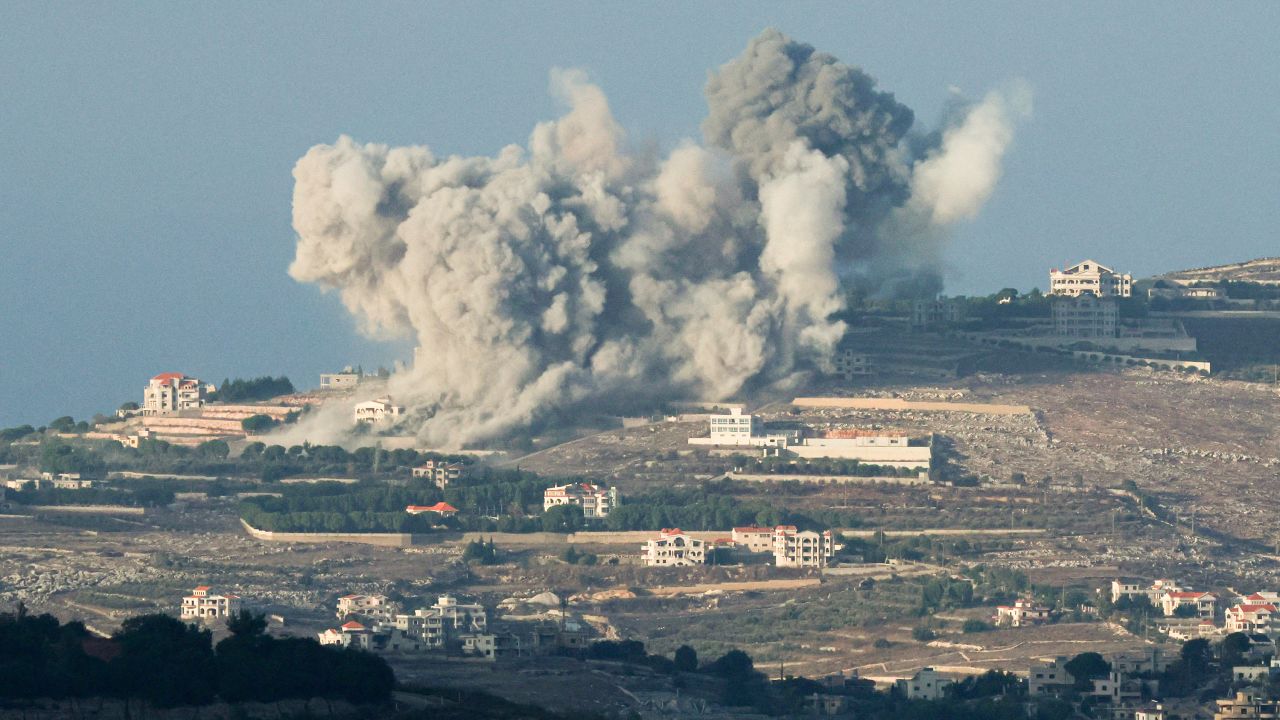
{"x":147,"y":148}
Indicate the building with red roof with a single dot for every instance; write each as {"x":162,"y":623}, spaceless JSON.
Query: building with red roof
{"x":170,"y":392}
{"x":443,"y":509}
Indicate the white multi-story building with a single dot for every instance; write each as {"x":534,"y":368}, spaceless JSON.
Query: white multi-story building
{"x":1247,"y":704}
{"x":439,"y":471}
{"x":1090,"y":276}
{"x":434,"y":626}
{"x":596,"y":501}
{"x":674,"y":548}
{"x":170,"y":392}
{"x":378,"y":411}
{"x":802,"y":548}
{"x":926,"y":684}
{"x":1203,"y":602}
{"x":1250,"y":618}
{"x":1134,"y":588}
{"x":1021,"y":612}
{"x":202,"y":604}
{"x":374,"y":606}
{"x":1086,"y":316}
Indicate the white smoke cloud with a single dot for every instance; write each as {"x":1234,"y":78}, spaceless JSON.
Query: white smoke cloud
{"x":575,"y":273}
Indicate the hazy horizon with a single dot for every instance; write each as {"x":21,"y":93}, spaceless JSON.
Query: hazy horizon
{"x":147,"y":170}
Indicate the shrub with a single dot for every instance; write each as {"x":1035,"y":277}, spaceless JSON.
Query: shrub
{"x":973,"y":625}
{"x":923,"y":633}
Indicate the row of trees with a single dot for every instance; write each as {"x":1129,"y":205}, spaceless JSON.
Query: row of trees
{"x":259,"y":388}
{"x":162,"y":661}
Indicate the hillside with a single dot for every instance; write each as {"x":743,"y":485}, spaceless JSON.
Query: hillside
{"x":1263,"y":270}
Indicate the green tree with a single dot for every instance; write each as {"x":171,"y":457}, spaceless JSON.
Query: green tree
{"x":64,"y":424}
{"x":257,"y":424}
{"x":1085,"y":667}
{"x":563,"y":518}
{"x":166,"y":661}
{"x":214,"y":449}
{"x":686,"y":659}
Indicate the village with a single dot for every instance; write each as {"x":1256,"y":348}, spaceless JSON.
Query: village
{"x":877,"y":519}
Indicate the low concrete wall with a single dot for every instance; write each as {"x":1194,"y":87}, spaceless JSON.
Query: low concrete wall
{"x":380,"y":539}
{"x":838,"y":479}
{"x":898,"y":404}
{"x":85,"y":509}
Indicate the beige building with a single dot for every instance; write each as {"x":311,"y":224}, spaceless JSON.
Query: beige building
{"x":754,"y":539}
{"x":441,"y":472}
{"x":376,"y":606}
{"x":1203,"y":602}
{"x":1021,"y":612}
{"x":674,"y":548}
{"x":348,"y":378}
{"x":802,"y":548}
{"x":926,"y":684}
{"x":1048,"y":677}
{"x":167,"y":393}
{"x":1090,"y":276}
{"x":596,"y":501}
{"x":1246,"y":704}
{"x":375,"y":412}
{"x":1250,"y":618}
{"x":1086,"y":317}
{"x":202,"y":604}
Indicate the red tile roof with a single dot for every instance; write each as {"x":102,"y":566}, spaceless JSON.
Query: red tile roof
{"x":353,"y":625}
{"x":440,"y":507}
{"x":163,"y":377}
{"x":202,"y":587}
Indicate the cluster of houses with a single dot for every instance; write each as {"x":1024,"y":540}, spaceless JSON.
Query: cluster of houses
{"x":789,"y":547}
{"x":1193,"y":613}
{"x":60,"y":481}
{"x":377,"y":624}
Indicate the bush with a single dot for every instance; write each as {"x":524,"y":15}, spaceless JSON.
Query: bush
{"x":975,"y":626}
{"x":923,"y":633}
{"x":258,"y":424}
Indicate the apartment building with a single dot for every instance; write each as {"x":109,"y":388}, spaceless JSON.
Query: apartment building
{"x":1086,"y":317}
{"x":802,"y":548}
{"x":754,"y":539}
{"x":439,"y":471}
{"x":204,"y":604}
{"x":1049,"y":677}
{"x":596,"y":501}
{"x":373,"y":606}
{"x":931,"y":313}
{"x":850,"y":364}
{"x":167,"y":393}
{"x":1090,"y":276}
{"x":674,"y":548}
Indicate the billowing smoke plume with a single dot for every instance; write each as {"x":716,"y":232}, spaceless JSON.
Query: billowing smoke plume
{"x":571,"y":273}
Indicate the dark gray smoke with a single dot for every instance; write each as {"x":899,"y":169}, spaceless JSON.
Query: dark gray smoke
{"x":570,"y":272}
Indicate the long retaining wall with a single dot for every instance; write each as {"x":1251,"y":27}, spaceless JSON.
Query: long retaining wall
{"x":535,"y":539}
{"x":86,"y":509}
{"x":899,"y":404}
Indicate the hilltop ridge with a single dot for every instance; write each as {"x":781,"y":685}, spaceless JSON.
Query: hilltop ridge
{"x":1265,"y":271}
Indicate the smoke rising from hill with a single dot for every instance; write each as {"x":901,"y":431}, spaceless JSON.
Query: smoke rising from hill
{"x":571,"y":272}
